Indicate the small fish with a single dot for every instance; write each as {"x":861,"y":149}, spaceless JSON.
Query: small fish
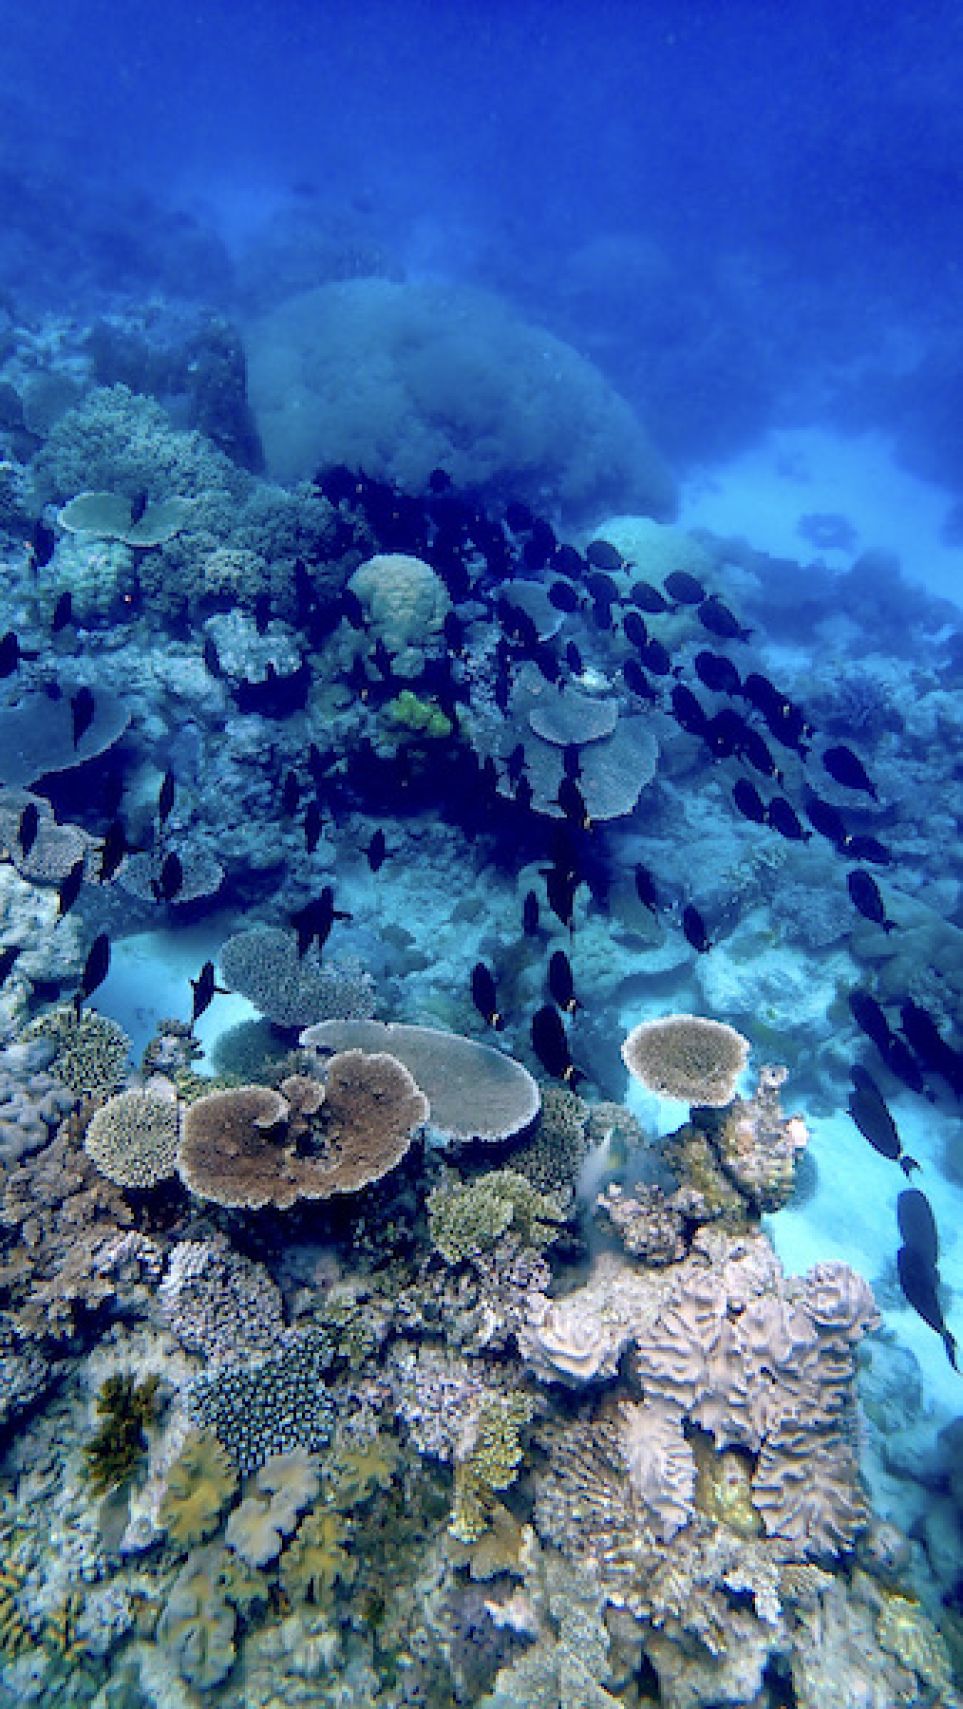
{"x":167,"y":885}
{"x":82,"y":709}
{"x":694,"y":928}
{"x":637,"y":682}
{"x":875,"y":1122}
{"x":920,"y":1283}
{"x":763,"y":694}
{"x":870,"y":1018}
{"x":687,"y":710}
{"x":377,"y":850}
{"x":312,"y":826}
{"x":69,"y":889}
{"x":848,"y":770}
{"x":572,"y":761}
{"x":725,"y":733}
{"x":315,"y":920}
{"x":602,"y":588}
{"x":572,"y":802}
{"x":563,"y":596}
{"x":204,"y":991}
{"x":63,"y":613}
{"x":28,"y":827}
{"x":756,"y":753}
{"x":573,"y":658}
{"x":602,"y":555}
{"x":262,"y":612}
{"x":165,"y":797}
{"x":717,"y":672}
{"x":748,"y":801}
{"x":96,"y":968}
{"x":648,"y":598}
{"x":550,"y":1044}
{"x":828,"y":821}
{"x":211,"y":657}
{"x":683,"y":588}
{"x":864,"y":893}
{"x":655,"y":658}
{"x":645,"y":889}
{"x":560,"y":888}
{"x":9,"y":956}
{"x":917,"y":1225}
{"x":927,"y":1042}
{"x":112,"y":851}
{"x":868,"y":848}
{"x":634,"y":629}
{"x":483,"y":995}
{"x":900,"y":1061}
{"x":788,"y":727}
{"x":290,"y":794}
{"x":518,"y":517}
{"x":138,"y":505}
{"x":12,"y":654}
{"x":561,"y":982}
{"x":783,"y":818}
{"x":530,"y":914}
{"x":719,"y":620}
{"x":42,"y":544}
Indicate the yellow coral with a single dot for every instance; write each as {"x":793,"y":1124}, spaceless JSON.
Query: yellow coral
{"x":905,"y":1631}
{"x":200,"y":1483}
{"x":318,"y":1558}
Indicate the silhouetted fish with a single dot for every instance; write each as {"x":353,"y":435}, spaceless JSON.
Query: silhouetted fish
{"x":550,"y":1044}
{"x":572,"y":802}
{"x":868,"y":848}
{"x":484,"y":996}
{"x":756,"y":753}
{"x":784,"y":819}
{"x":11,"y":654}
{"x":604,"y":556}
{"x":69,"y":889}
{"x":211,"y":656}
{"x":561,"y":982}
{"x":827,"y":820}
{"x":683,"y":588}
{"x":82,"y":708}
{"x":27,"y":828}
{"x":63,"y":613}
{"x":917,"y":1224}
{"x":648,"y":598}
{"x":165,"y":797}
{"x":573,"y":658}
{"x":900,"y":1061}
{"x":530,"y":914}
{"x":920,"y":1282}
{"x":719,"y":620}
{"x":694,"y":928}
{"x":169,"y":881}
{"x":312,"y":826}
{"x":637,"y":682}
{"x":717,"y":672}
{"x":138,"y":505}
{"x":290,"y":794}
{"x":655,"y":658}
{"x":634,"y":629}
{"x":726,"y":733}
{"x":42,"y":544}
{"x":112,"y":851}
{"x":870,"y":1017}
{"x":563,"y":596}
{"x":928,"y":1044}
{"x":875,"y":1122}
{"x":96,"y":968}
{"x":645,"y":889}
{"x":377,"y":850}
{"x":848,"y":770}
{"x":560,"y":888}
{"x":687,"y":710}
{"x":204,"y":990}
{"x":865,"y":896}
{"x":313,"y":922}
{"x":748,"y":801}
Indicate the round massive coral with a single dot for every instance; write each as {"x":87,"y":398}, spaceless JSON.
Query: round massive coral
{"x":686,"y":1057}
{"x":405,"y":603}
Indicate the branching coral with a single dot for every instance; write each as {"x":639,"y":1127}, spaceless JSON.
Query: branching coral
{"x":133,"y":1138}
{"x":468,"y":1218}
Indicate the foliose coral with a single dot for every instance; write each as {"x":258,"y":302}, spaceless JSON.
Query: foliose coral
{"x":133,"y":1138}
{"x":199,"y":1485}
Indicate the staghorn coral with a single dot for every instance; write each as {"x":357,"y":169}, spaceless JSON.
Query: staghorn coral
{"x":263,"y":964}
{"x":686,"y":1057}
{"x":90,"y":1050}
{"x":473,"y":1090}
{"x":269,"y":1405}
{"x":200,"y":1483}
{"x":489,"y":1455}
{"x":133,"y":1138}
{"x":468,"y":1218}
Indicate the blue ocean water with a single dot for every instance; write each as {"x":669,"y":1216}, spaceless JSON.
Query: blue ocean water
{"x":481,"y":924}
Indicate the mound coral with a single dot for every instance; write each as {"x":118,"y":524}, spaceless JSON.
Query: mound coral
{"x":133,"y":1138}
{"x":686,"y":1057}
{"x":270,"y":1405}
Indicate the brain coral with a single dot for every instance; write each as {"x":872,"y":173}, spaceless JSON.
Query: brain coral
{"x":405,"y":603}
{"x":401,"y":378}
{"x":686,"y":1057}
{"x":133,"y":1138}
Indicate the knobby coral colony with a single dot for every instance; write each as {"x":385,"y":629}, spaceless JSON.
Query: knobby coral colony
{"x":384,"y":1412}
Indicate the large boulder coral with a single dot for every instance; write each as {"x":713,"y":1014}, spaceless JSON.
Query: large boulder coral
{"x":401,"y":378}
{"x":405,"y":603}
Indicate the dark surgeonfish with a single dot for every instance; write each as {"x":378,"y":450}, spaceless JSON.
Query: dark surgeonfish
{"x":872,"y":1116}
{"x":847,"y":769}
{"x":928,"y":1045}
{"x":9,"y":956}
{"x":648,"y":598}
{"x":687,"y":710}
{"x":42,"y":544}
{"x":485,"y":997}
{"x":312,"y":825}
{"x":204,"y":991}
{"x":719,"y":620}
{"x":870,"y":1017}
{"x":917,"y":1224}
{"x":96,"y":968}
{"x":602,"y":555}
{"x":550,"y":1044}
{"x":717,"y":672}
{"x":783,"y":818}
{"x":694,"y":928}
{"x":860,"y":847}
{"x":377,"y":850}
{"x":28,"y":827}
{"x":11,"y":653}
{"x":165,"y":797}
{"x":561,"y":982}
{"x":69,"y":889}
{"x":828,"y":821}
{"x":645,"y":889}
{"x":920,"y":1284}
{"x":530,"y":914}
{"x":169,"y":881}
{"x":315,"y":920}
{"x":82,"y":709}
{"x":683,"y":588}
{"x":748,"y":801}
{"x":864,"y":893}
{"x":63,"y":613}
{"x":113,"y":851}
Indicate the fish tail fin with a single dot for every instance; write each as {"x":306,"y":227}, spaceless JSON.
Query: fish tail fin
{"x":949,"y":1343}
{"x":908,"y":1164}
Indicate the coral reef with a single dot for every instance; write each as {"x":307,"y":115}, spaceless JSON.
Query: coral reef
{"x":90,"y":1051}
{"x":125,"y":1408}
{"x":467,"y":1218}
